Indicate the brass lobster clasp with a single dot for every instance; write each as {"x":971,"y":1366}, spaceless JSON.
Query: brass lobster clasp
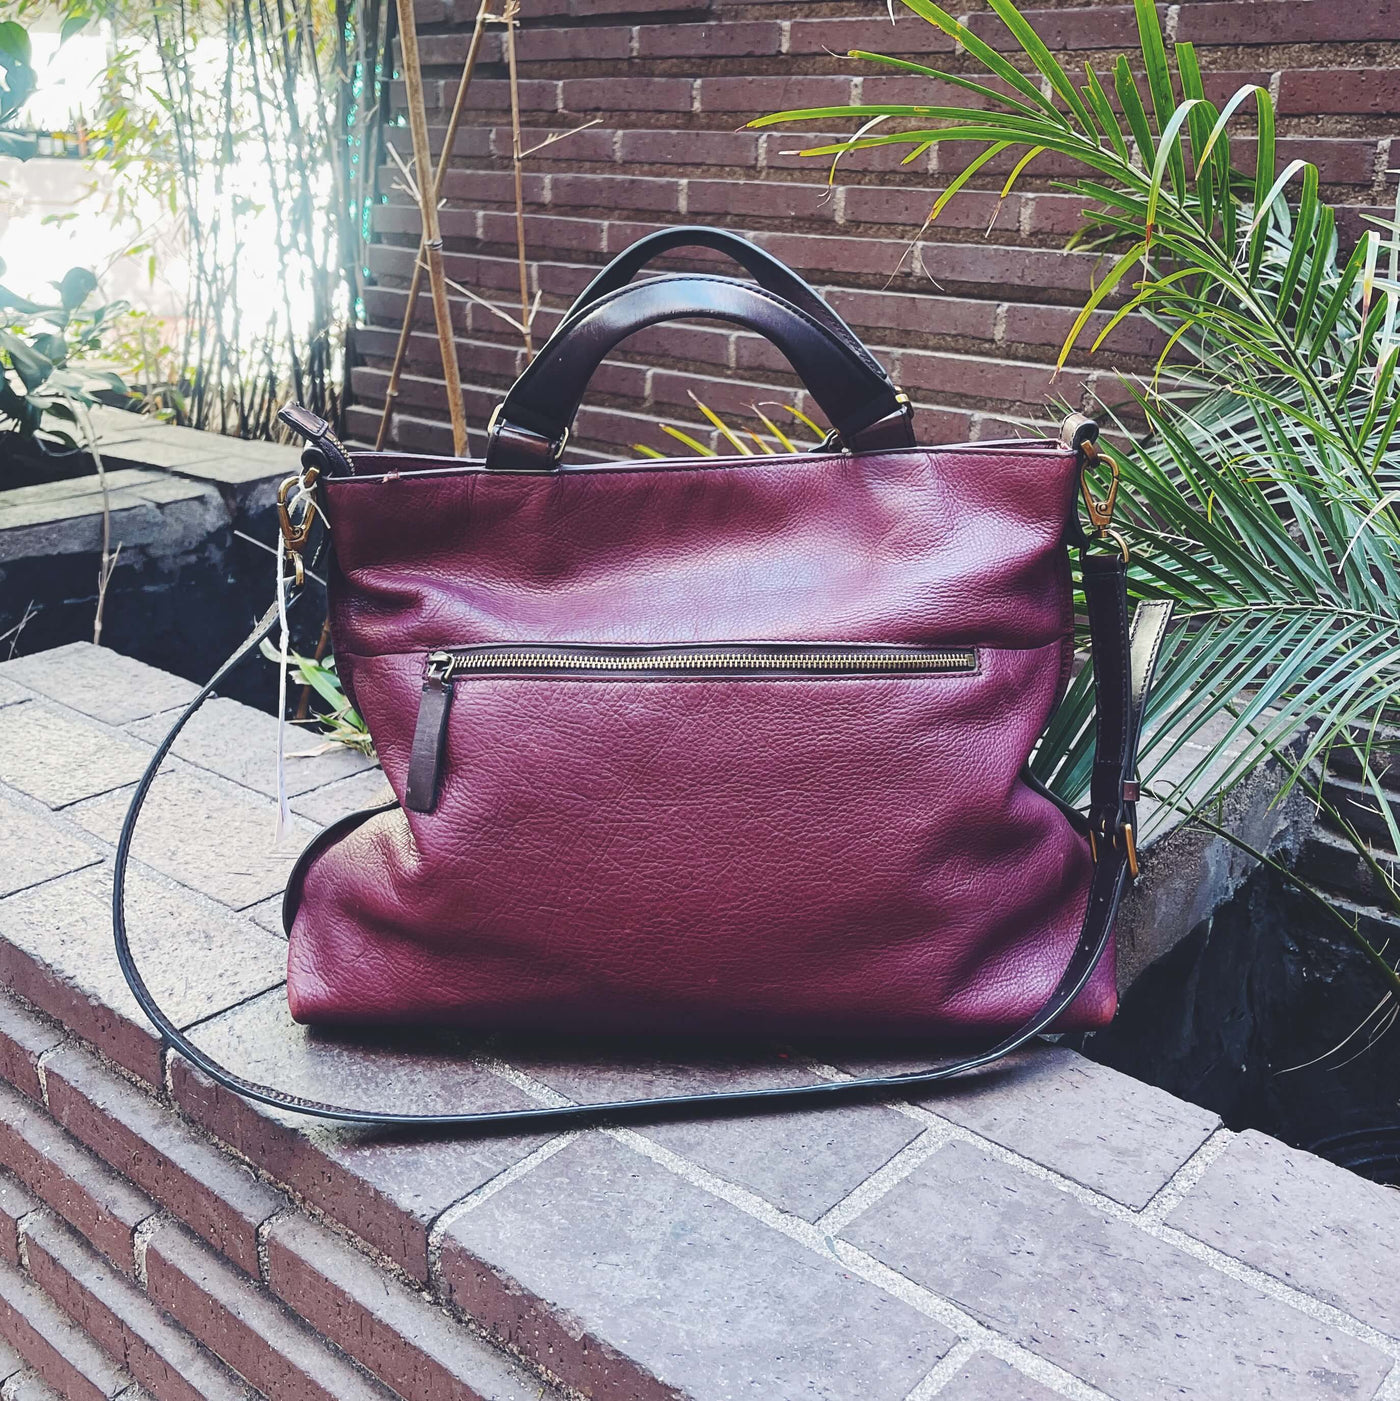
{"x":296,"y":514}
{"x":1100,"y":510}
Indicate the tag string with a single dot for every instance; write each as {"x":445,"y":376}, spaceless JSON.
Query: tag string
{"x":284,"y":565}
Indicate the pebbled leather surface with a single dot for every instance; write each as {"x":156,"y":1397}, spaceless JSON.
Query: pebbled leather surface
{"x":790,"y":855}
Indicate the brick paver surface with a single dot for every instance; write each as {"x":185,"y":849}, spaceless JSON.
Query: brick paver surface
{"x":1051,"y":1228}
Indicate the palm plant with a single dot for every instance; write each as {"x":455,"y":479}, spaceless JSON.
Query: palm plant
{"x":1262,"y":498}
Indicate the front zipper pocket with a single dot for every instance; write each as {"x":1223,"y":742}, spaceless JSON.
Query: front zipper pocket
{"x":700,"y":661}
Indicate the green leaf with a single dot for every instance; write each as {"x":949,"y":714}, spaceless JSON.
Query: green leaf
{"x":52,"y":347}
{"x":13,"y":302}
{"x":694,"y":444}
{"x":1154,"y":53}
{"x":1167,"y":151}
{"x":14,"y":41}
{"x":959,"y":80}
{"x":32,"y":367}
{"x":1337,"y":302}
{"x":1045,"y":62}
{"x":968,"y":171}
{"x":1202,"y":119}
{"x":77,"y":286}
{"x":788,"y":444}
{"x":1019,"y":167}
{"x":1131,"y":102}
{"x":1258,"y":227}
{"x":1263,"y":170}
{"x":74,"y":24}
{"x":985,"y":55}
{"x":1096,"y":299}
{"x":1103,"y":110}
{"x":1304,"y":228}
{"x":730,"y":436}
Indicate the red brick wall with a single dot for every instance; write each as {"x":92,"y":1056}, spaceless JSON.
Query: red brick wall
{"x":969,"y":321}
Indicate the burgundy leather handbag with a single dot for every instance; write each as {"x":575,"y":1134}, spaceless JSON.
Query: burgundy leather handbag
{"x":719,"y":746}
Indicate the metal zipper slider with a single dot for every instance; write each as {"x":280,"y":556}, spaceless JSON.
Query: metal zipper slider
{"x":429,"y":733}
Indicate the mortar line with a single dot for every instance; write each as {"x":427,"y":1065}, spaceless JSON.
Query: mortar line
{"x":1217,"y":1260}
{"x":454,"y":1211}
{"x":1183,"y":1181}
{"x":822,"y":1243}
{"x":861,"y":1263}
{"x":105,"y":849}
{"x":1390,"y":1386}
{"x":41,"y":1065}
{"x":949,"y":1365}
{"x":1209,"y":1255}
{"x":260,"y":1235}
{"x":887,"y":1176}
{"x":43,"y":1211}
{"x":1380,"y":167}
{"x":232,"y":1007}
{"x":806,"y":1233}
{"x":97,"y":859}
{"x":172,"y":762}
{"x":141,"y":1240}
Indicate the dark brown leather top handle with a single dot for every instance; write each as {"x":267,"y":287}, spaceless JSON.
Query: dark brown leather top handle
{"x":528,"y":429}
{"x":763,"y":267}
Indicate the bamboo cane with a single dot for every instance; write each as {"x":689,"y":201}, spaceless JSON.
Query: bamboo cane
{"x":511,"y":18}
{"x":439,"y":179}
{"x":432,"y":229}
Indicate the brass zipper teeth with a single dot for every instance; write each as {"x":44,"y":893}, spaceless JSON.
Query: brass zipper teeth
{"x":451,"y":664}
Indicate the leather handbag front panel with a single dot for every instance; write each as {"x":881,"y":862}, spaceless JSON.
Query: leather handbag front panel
{"x":728,"y":745}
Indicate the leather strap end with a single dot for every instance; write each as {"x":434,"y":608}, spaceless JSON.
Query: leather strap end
{"x":1077,"y":432}
{"x":888,"y":433}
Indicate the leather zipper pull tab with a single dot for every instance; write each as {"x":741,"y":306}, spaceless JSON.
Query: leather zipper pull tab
{"x":331,"y":454}
{"x":425,"y":758}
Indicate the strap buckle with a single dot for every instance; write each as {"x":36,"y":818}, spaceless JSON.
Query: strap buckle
{"x":1127,"y":836}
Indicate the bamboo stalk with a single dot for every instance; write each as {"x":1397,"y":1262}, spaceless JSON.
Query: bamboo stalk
{"x":432,"y":229}
{"x":439,"y":178}
{"x":511,"y":18}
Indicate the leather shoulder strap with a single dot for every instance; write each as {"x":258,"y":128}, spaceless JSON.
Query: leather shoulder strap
{"x":1127,"y":657}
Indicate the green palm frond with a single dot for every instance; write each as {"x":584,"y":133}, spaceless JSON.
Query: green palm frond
{"x":1263,"y":497}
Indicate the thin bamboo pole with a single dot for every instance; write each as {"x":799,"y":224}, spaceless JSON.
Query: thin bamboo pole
{"x":511,"y":17}
{"x":439,"y":178}
{"x":432,"y":229}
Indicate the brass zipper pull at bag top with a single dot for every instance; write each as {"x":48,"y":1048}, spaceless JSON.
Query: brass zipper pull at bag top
{"x":697,"y":662}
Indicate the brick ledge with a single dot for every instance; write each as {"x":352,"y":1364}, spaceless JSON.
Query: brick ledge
{"x":908,"y":1249}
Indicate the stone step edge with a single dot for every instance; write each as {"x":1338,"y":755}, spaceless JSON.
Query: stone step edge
{"x":380,"y":1321}
{"x":55,"y":1347}
{"x":116,"y":1315}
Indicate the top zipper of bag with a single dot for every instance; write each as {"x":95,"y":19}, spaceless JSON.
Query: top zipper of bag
{"x":697,"y":661}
